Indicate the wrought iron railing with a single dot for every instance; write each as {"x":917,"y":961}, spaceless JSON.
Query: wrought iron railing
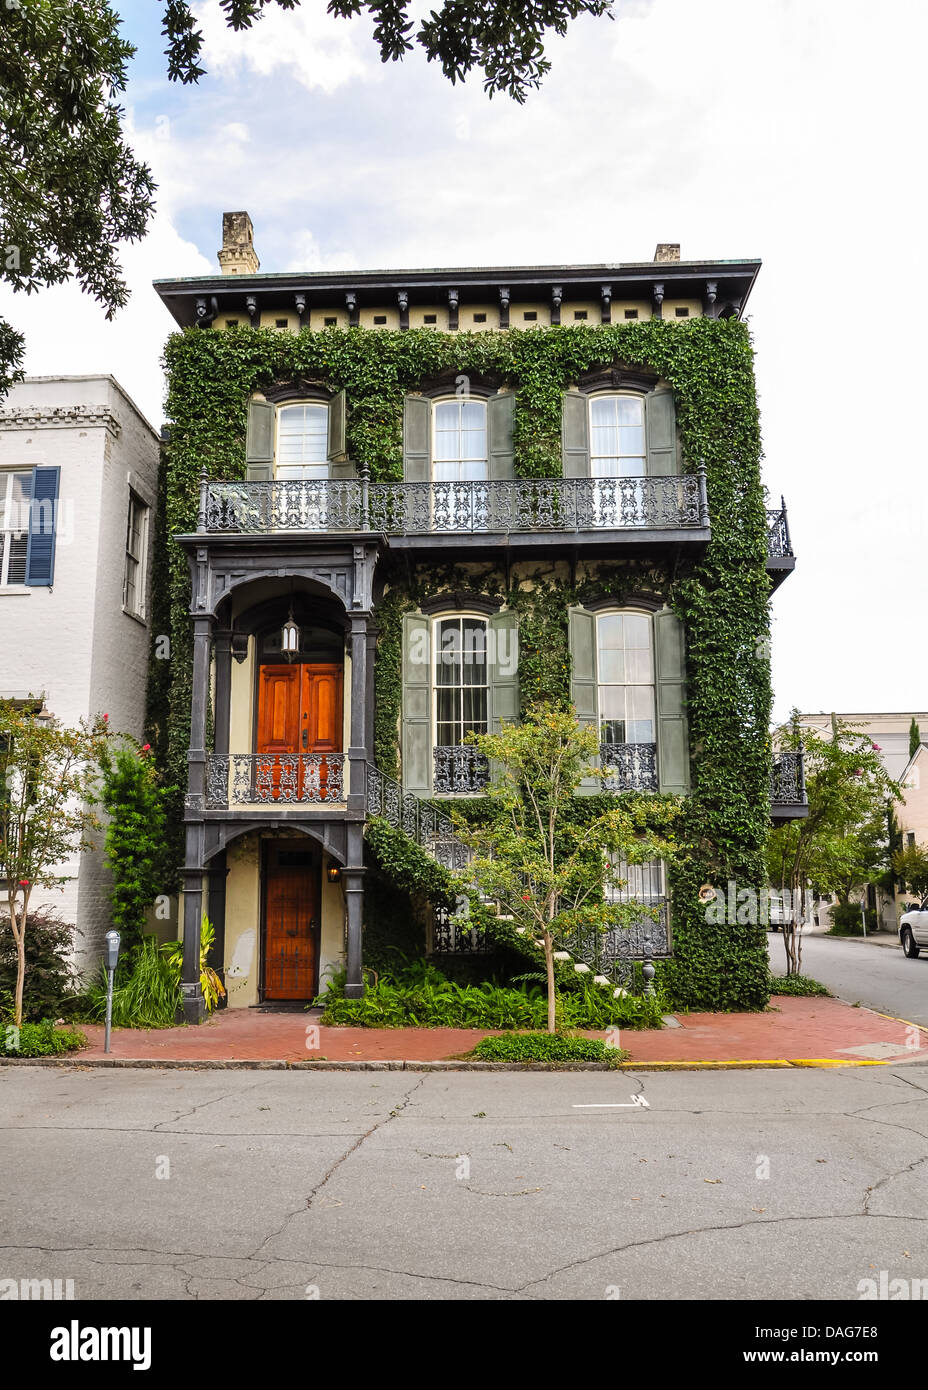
{"x":258,"y":779}
{"x":430,"y":829}
{"x":787,"y":780}
{"x":629,"y":767}
{"x":779,"y":545}
{"x":426,"y":509}
{"x":462,"y":768}
{"x":457,"y":936}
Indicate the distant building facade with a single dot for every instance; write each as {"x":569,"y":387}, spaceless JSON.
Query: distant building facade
{"x":78,"y":489}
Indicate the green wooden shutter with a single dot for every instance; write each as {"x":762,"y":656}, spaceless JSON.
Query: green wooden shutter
{"x":661,"y":422}
{"x":500,"y":415}
{"x":673,"y":743}
{"x":583,"y":685}
{"x":503,"y":633}
{"x":575,"y":435}
{"x":340,"y":466}
{"x":416,"y":431}
{"x":417,"y":705}
{"x":259,"y":442}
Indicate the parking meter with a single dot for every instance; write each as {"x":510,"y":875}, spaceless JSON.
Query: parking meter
{"x":110,"y":957}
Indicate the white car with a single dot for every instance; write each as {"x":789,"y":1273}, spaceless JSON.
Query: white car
{"x":913,"y":930}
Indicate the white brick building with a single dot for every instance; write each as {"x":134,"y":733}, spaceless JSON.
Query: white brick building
{"x":74,"y":623}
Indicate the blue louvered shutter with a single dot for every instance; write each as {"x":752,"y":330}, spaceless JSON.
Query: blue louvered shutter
{"x":43,"y":516}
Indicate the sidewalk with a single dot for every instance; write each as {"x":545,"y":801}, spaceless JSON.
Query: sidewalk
{"x":792,"y":1032}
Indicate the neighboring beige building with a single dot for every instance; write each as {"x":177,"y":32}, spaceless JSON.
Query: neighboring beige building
{"x":890,"y":734}
{"x":78,"y":486}
{"x":889,"y":731}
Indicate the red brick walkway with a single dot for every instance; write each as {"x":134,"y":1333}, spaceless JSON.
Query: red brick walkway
{"x":793,"y":1029}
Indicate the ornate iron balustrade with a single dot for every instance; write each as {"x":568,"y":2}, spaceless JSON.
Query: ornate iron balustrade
{"x":779,"y":544}
{"x":430,"y":829}
{"x":260,"y":779}
{"x":460,"y":769}
{"x":426,"y":509}
{"x":629,"y":767}
{"x":787,"y":780}
{"x":453,"y":936}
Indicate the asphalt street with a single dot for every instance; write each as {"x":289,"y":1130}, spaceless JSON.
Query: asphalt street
{"x":274,"y":1185}
{"x":863,"y":972}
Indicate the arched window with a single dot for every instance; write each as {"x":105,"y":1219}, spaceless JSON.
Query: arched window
{"x":626,"y":699}
{"x":460,"y":686}
{"x":302,"y":441}
{"x":459,"y":440}
{"x":617,"y":437}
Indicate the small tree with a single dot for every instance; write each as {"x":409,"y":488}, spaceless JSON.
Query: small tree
{"x":549,"y":873}
{"x":915,"y":737}
{"x":911,"y":866}
{"x":47,"y":786}
{"x":833,"y":846}
{"x":135,"y":836}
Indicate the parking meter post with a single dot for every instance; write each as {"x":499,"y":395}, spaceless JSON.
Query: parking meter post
{"x":110,"y":958}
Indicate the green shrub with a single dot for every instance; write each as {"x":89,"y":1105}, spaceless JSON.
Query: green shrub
{"x":797,"y":984}
{"x":135,"y":837}
{"x":845,"y":920}
{"x":420,"y":996}
{"x":547,"y":1047}
{"x":146,"y":993}
{"x":41,"y":1039}
{"x":48,"y":991}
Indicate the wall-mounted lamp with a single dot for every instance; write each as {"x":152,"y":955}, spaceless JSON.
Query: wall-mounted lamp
{"x":333,"y":873}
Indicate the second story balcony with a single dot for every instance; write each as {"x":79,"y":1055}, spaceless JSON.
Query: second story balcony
{"x":651,"y":509}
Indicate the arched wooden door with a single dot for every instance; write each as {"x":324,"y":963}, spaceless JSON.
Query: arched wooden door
{"x":299,"y":715}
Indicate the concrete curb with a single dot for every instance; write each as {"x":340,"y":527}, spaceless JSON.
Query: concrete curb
{"x":211,"y":1064}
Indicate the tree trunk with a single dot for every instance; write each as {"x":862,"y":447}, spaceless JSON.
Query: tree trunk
{"x":20,"y":980}
{"x":549,"y":971}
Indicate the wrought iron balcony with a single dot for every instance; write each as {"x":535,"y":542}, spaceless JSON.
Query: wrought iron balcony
{"x":629,"y":767}
{"x":780,"y":557}
{"x":261,"y":779}
{"x":460,"y":769}
{"x":506,"y":507}
{"x":779,"y":544}
{"x":788,"y":799}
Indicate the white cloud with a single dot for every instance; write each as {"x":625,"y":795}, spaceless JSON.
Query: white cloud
{"x":323,"y":53}
{"x":67,"y":333}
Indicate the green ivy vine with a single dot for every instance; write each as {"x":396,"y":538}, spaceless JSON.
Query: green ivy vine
{"x":723,"y":600}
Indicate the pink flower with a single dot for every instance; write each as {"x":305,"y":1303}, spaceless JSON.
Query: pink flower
{"x":24,"y":883}
{"x":859,"y":772}
{"x":876,"y":748}
{"x":525,"y":897}
{"x":146,"y":747}
{"x":105,"y":718}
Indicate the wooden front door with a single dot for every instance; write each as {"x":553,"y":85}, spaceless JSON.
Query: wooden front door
{"x":291,"y":921}
{"x":299,"y":712}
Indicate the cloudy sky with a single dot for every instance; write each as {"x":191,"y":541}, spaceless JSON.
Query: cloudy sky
{"x":783,"y":129}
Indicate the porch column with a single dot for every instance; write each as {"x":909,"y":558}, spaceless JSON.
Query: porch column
{"x":358,"y":750}
{"x":352,"y":877}
{"x":191,"y":994}
{"x":222,"y":651}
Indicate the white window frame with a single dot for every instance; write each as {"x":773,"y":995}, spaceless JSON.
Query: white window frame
{"x":299,"y":472}
{"x":10,"y":527}
{"x":138,"y":609}
{"x":641,"y":458}
{"x":458,"y":464}
{"x":647,"y":685}
{"x":437,"y":620}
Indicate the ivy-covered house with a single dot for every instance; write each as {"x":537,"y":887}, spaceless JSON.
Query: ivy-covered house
{"x":401,"y":506}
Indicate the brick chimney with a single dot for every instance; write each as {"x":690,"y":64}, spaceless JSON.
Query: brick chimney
{"x":667,"y":251}
{"x":238,"y":255}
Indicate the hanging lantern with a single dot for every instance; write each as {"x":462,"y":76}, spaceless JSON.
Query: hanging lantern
{"x":289,"y":637}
